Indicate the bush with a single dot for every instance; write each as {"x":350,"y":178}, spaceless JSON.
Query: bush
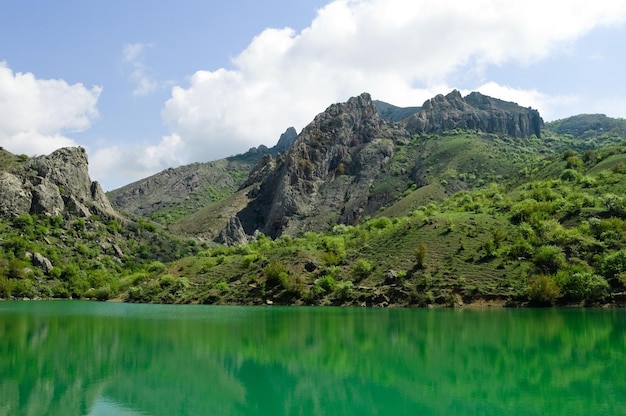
{"x":613,"y":264}
{"x":275,"y":273}
{"x":420,"y":255}
{"x":549,"y":259}
{"x":326,"y":282}
{"x":585,"y":286}
{"x":543,"y":290}
{"x":167,"y":280}
{"x":362,"y":268}
{"x":344,"y":290}
{"x":248,"y":260}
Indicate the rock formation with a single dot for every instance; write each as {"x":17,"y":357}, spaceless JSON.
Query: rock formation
{"x":57,"y":184}
{"x":475,"y":112}
{"x":326,"y":175}
{"x":233,"y":234}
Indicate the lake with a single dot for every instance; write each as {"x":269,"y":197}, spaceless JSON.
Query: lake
{"x":89,"y":358}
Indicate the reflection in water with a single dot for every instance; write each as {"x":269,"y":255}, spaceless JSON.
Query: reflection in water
{"x":84,"y":358}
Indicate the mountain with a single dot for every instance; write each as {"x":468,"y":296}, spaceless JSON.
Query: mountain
{"x":326,"y":175}
{"x":586,"y":125}
{"x":177,"y":192}
{"x":60,"y":236}
{"x":52,"y":185}
{"x":350,"y":162}
{"x":475,"y":112}
{"x":391,"y":112}
{"x":466,"y":200}
{"x":319,"y":192}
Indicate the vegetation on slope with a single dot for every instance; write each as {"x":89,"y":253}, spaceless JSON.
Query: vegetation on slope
{"x":552,"y":240}
{"x":492,"y":222}
{"x":82,"y":257}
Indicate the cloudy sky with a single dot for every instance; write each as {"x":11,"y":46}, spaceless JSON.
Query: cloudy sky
{"x":148,"y":84}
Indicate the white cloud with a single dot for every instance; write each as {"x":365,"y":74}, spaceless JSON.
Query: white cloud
{"x":140,"y":75}
{"x":36,"y":113}
{"x":118,"y":165}
{"x":401,"y":51}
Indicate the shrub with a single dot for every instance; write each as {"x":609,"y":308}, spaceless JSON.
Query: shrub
{"x":362,"y":268}
{"x":275,"y":273}
{"x":585,"y":286}
{"x":613,"y":264}
{"x":331,"y":258}
{"x":167,"y":280}
{"x":103,"y":293}
{"x":549,"y":259}
{"x":420,"y":255}
{"x":156,"y":267}
{"x":326,"y":282}
{"x":543,"y":290}
{"x":248,"y":260}
{"x":344,"y":290}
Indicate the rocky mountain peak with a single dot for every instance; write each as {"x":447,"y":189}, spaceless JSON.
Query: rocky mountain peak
{"x":475,"y":112}
{"x":57,"y":184}
{"x":286,"y":140}
{"x":331,"y":163}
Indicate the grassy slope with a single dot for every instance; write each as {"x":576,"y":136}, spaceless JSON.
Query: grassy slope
{"x":510,"y":243}
{"x":220,"y":180}
{"x":526,"y":228}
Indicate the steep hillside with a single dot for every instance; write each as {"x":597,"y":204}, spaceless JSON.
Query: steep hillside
{"x":178,"y":192}
{"x":60,"y":237}
{"x":350,"y":162}
{"x":391,"y":112}
{"x":560,"y":239}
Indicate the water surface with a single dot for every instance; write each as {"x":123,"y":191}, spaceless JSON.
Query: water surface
{"x":86,"y":358}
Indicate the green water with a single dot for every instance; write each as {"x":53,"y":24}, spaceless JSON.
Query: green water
{"x":84,"y":358}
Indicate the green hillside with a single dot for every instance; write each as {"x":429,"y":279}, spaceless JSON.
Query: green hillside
{"x":556,"y":237}
{"x":473,"y":218}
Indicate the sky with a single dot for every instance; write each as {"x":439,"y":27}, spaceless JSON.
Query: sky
{"x":147,"y":85}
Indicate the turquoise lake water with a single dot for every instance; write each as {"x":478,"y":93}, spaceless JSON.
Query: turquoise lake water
{"x":88,"y":358}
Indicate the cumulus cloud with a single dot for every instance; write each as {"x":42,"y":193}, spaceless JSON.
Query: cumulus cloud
{"x":118,"y":165}
{"x":35,"y":114}
{"x":401,"y":51}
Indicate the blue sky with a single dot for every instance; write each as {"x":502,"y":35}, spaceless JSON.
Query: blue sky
{"x":147,"y":85}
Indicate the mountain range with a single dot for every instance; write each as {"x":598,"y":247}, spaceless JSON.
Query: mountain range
{"x":312,"y":219}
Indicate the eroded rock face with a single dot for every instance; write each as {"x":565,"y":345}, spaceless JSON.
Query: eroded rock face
{"x":57,"y":184}
{"x":233,"y":234}
{"x":475,"y":112}
{"x":326,"y":174}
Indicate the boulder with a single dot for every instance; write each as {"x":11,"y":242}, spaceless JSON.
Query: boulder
{"x":42,"y":262}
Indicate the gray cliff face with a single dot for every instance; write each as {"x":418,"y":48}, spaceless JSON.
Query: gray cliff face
{"x":326,"y":175}
{"x":57,"y":184}
{"x":475,"y":112}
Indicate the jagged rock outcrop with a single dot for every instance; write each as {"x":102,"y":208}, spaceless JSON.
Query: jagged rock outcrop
{"x":285,"y":141}
{"x":475,"y":112}
{"x":57,"y":184}
{"x":326,"y":175}
{"x":233,"y":234}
